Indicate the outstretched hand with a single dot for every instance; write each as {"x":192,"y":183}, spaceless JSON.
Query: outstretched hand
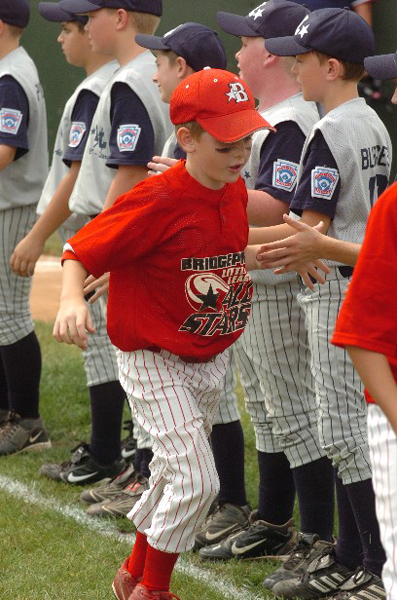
{"x":159,"y":164}
{"x":96,"y":287}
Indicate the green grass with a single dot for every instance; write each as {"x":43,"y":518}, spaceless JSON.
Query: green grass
{"x":46,"y":555}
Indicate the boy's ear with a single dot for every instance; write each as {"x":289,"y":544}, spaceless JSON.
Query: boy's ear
{"x":185,"y":140}
{"x":335,"y":69}
{"x":122,"y":18}
{"x":183,"y":69}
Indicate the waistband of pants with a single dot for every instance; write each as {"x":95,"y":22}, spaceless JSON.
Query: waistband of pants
{"x":186,"y":359}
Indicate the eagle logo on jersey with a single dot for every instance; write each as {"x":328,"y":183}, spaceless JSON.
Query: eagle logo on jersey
{"x":237,"y":93}
{"x":127,"y":137}
{"x":302,"y":29}
{"x":285,"y":174}
{"x":324,"y":182}
{"x":10,"y":120}
{"x":77,"y":132}
{"x":258,"y":11}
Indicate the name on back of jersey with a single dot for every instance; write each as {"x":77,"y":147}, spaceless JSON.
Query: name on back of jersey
{"x":375,"y":156}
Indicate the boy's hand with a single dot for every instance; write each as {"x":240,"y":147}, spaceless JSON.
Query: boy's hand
{"x":159,"y":164}
{"x":96,"y":287}
{"x":25,"y":256}
{"x":303,"y":247}
{"x":73,"y":322}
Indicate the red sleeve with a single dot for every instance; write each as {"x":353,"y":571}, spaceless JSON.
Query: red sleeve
{"x":368,"y":315}
{"x":133,"y":226}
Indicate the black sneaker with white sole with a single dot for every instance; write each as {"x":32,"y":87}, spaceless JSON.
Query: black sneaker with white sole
{"x":259,"y":540}
{"x":82,"y":469}
{"x":224,"y":520}
{"x":323,"y":578}
{"x":128,"y":444}
{"x":22,"y":435}
{"x":362,"y":585}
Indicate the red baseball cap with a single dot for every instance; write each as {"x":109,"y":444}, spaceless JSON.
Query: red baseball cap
{"x":220,"y":102}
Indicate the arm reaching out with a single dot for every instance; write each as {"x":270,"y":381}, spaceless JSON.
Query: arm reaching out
{"x":73,"y":320}
{"x":159,"y":164}
{"x":308,"y":244}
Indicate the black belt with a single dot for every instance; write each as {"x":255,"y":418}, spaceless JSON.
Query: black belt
{"x":346,"y":271}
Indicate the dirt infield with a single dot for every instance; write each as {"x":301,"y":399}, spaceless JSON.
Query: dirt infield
{"x":46,"y":288}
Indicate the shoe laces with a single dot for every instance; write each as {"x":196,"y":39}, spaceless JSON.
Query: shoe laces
{"x":78,"y":452}
{"x":10,"y":424}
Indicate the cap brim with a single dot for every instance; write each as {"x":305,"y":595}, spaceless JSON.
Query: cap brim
{"x":151,"y":42}
{"x":51,"y":11}
{"x":383,"y":66}
{"x":285,"y":46}
{"x":78,"y":6}
{"x":235,"y":24}
{"x":235,"y":126}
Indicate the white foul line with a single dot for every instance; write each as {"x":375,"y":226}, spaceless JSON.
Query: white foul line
{"x":30,"y":496}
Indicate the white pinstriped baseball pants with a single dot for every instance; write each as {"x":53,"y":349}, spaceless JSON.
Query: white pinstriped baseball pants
{"x":273,"y":359}
{"x":175,"y":402}
{"x":100,"y":361}
{"x":342,"y":410}
{"x":228,"y":411}
{"x":15,"y":318}
{"x":383,"y":453}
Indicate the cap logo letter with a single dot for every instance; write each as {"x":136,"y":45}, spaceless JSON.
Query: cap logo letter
{"x":302,"y":29}
{"x":258,"y":11}
{"x":237,"y":93}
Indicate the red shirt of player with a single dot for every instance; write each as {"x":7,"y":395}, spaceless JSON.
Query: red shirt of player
{"x":175,"y":252}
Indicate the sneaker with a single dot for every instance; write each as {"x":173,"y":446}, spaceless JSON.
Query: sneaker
{"x":323,"y":577}
{"x":81,"y":469}
{"x":259,"y":540}
{"x":222,"y":522}
{"x":3,"y":414}
{"x":128,"y":445}
{"x":308,"y":547}
{"x":123,"y":584}
{"x":111,"y":488}
{"x":142,"y":593}
{"x":362,"y":585}
{"x":22,"y":435}
{"x":121,"y":505}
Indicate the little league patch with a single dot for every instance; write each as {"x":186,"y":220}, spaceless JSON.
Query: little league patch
{"x":324,"y":182}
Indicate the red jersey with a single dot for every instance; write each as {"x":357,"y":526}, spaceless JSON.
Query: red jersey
{"x":368,"y":318}
{"x":175,"y":252}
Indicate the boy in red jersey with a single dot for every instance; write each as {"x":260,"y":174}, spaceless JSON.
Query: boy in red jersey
{"x":179,"y":296}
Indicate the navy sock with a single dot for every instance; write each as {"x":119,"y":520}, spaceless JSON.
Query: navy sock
{"x":314,"y":484}
{"x":276,"y":488}
{"x":107,"y":402}
{"x":4,"y":404}
{"x":348,"y":545}
{"x":22,"y":370}
{"x":146,"y":458}
{"x":362,"y":501}
{"x":227,"y":441}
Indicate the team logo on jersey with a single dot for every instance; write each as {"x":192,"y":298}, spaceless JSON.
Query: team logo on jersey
{"x":10,"y":120}
{"x":76,"y":133}
{"x":221,"y":304}
{"x":285,"y":174}
{"x":302,"y":29}
{"x":127,"y":137}
{"x":237,"y":93}
{"x":258,"y":11}
{"x":324,"y":182}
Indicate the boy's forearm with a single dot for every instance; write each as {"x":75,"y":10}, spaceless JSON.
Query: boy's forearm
{"x":375,"y":372}
{"x":125,"y":179}
{"x":339,"y":250}
{"x":7,"y":155}
{"x":263,"y":210}
{"x":264,"y":235}
{"x":73,"y":278}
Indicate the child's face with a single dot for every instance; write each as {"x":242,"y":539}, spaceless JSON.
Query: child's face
{"x":166,"y":76}
{"x":250,"y":60}
{"x":311,"y":75}
{"x":214,"y":163}
{"x":74,"y":43}
{"x":100,"y":31}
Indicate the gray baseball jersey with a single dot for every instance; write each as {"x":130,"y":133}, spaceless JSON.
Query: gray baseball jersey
{"x":361,"y":148}
{"x":21,"y":183}
{"x":94,"y":175}
{"x":67,"y":136}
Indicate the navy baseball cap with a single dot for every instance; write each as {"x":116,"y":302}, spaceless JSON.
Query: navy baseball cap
{"x":153,"y":7}
{"x":15,"y":12}
{"x":337,"y":32}
{"x":198,"y":45}
{"x":51,"y":11}
{"x":383,"y":66}
{"x":268,"y":20}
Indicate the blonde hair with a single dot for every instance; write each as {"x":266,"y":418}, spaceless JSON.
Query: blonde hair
{"x":195,"y":129}
{"x":145,"y":23}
